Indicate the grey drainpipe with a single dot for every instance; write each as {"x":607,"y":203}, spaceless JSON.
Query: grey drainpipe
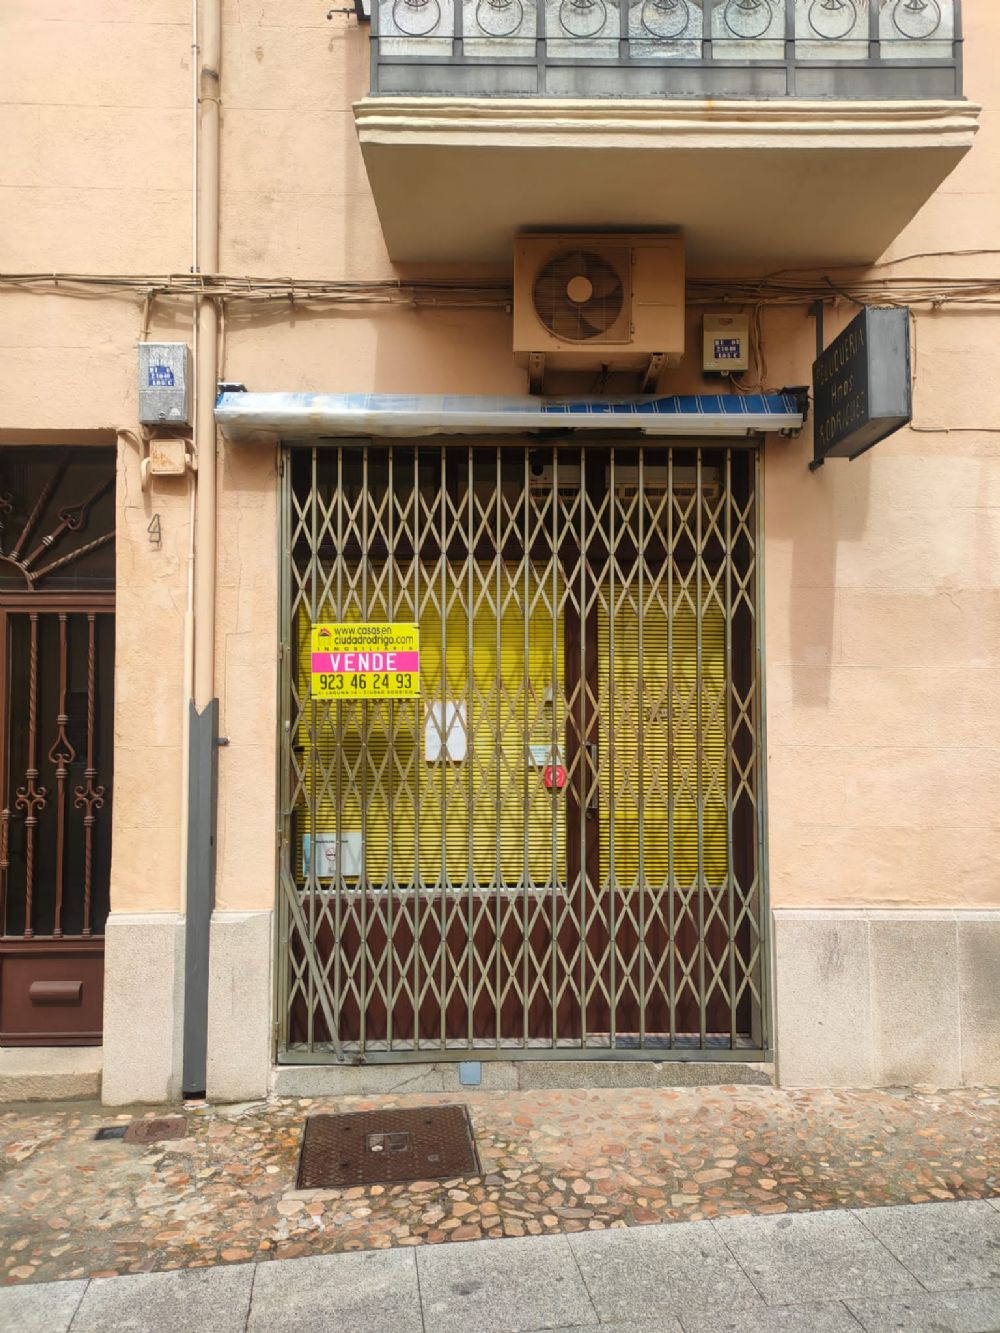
{"x":204,"y":712}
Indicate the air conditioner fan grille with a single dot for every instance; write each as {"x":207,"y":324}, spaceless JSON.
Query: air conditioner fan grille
{"x":578,"y":295}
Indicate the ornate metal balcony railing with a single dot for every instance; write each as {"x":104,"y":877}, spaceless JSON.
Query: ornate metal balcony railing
{"x":861,"y":49}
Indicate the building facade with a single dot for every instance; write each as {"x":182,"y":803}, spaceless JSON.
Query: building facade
{"x":376,"y":705}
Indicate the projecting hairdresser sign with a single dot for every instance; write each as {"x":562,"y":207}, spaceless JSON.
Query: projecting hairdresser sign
{"x":861,"y":384}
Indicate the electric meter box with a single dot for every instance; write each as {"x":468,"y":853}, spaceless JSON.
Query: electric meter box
{"x":726,"y":344}
{"x":164,"y":384}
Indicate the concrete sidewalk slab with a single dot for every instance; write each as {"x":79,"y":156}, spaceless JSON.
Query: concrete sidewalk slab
{"x":668,"y":1325}
{"x":510,"y":1286}
{"x":650,"y":1272}
{"x":948,"y":1246}
{"x":942,"y":1312}
{"x":829,"y":1317}
{"x":675,"y":1278}
{"x":813,"y":1257}
{"x":44,"y":1308}
{"x":363,"y":1293}
{"x":190,"y":1300}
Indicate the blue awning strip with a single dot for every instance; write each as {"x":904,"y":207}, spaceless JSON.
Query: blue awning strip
{"x":250,"y":417}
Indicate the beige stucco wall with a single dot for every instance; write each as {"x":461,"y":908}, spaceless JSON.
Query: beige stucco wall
{"x":883,"y":639}
{"x":883,"y":597}
{"x":882,"y":577}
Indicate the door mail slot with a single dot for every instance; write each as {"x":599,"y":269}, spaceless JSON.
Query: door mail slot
{"x":56,"y":992}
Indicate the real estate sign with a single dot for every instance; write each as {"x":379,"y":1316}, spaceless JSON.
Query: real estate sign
{"x":365,"y":661}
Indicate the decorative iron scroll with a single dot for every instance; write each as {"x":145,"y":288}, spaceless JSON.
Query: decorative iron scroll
{"x":36,"y":554}
{"x":833,"y":20}
{"x":668,"y":19}
{"x":416,"y":18}
{"x":748,"y":18}
{"x":500,"y":18}
{"x":744,"y":29}
{"x":917,"y":19}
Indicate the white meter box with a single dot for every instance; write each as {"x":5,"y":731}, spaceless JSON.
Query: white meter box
{"x":164,"y":384}
{"x":726,"y":340}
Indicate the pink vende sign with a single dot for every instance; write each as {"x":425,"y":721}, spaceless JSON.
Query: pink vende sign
{"x":358,"y":661}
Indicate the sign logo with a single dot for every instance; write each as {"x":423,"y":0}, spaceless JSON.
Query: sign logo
{"x":161,"y":377}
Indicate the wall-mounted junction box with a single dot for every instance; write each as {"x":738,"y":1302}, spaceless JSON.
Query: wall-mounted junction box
{"x":726,"y":340}
{"x":164,"y":384}
{"x":168,"y":457}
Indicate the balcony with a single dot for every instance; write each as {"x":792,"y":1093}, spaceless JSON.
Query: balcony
{"x":901,"y":49}
{"x":772,"y":131}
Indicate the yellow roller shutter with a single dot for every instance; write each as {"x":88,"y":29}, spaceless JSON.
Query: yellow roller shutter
{"x":492,"y":806}
{"x":669,"y":750}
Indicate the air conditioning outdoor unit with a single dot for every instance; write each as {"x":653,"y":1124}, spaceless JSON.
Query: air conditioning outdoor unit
{"x":656,"y":483}
{"x":584,"y":301}
{"x":543,"y":479}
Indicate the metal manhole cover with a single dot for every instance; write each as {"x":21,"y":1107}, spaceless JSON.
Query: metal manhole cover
{"x":151,"y":1131}
{"x":386,"y":1147}
{"x":110,"y":1132}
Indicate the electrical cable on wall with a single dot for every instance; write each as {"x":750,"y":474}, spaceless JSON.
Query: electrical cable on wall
{"x":758,"y":357}
{"x":786,"y":288}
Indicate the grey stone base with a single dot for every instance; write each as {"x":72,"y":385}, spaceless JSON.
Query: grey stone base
{"x":887,"y":998}
{"x":239,"y":1006}
{"x":509,"y":1076}
{"x":143,"y":1007}
{"x":143,"y":989}
{"x":862,"y":999}
{"x":50,"y":1073}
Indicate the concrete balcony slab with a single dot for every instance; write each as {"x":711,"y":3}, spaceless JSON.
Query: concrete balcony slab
{"x":750,"y":183}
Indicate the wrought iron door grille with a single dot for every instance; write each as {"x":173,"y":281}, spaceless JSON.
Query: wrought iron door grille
{"x":55,"y":794}
{"x":557,"y":848}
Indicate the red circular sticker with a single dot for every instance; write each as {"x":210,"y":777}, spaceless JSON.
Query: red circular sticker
{"x":555,"y":776}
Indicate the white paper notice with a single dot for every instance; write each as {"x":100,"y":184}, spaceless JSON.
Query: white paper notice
{"x":351,"y":854}
{"x":445,"y":733}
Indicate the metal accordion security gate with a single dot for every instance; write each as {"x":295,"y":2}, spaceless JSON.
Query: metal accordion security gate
{"x":556,"y":850}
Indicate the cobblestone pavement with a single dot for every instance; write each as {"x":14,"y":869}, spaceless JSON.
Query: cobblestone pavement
{"x":552,"y":1162}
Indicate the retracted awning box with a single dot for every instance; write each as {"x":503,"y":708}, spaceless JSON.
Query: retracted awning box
{"x":246,"y":418}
